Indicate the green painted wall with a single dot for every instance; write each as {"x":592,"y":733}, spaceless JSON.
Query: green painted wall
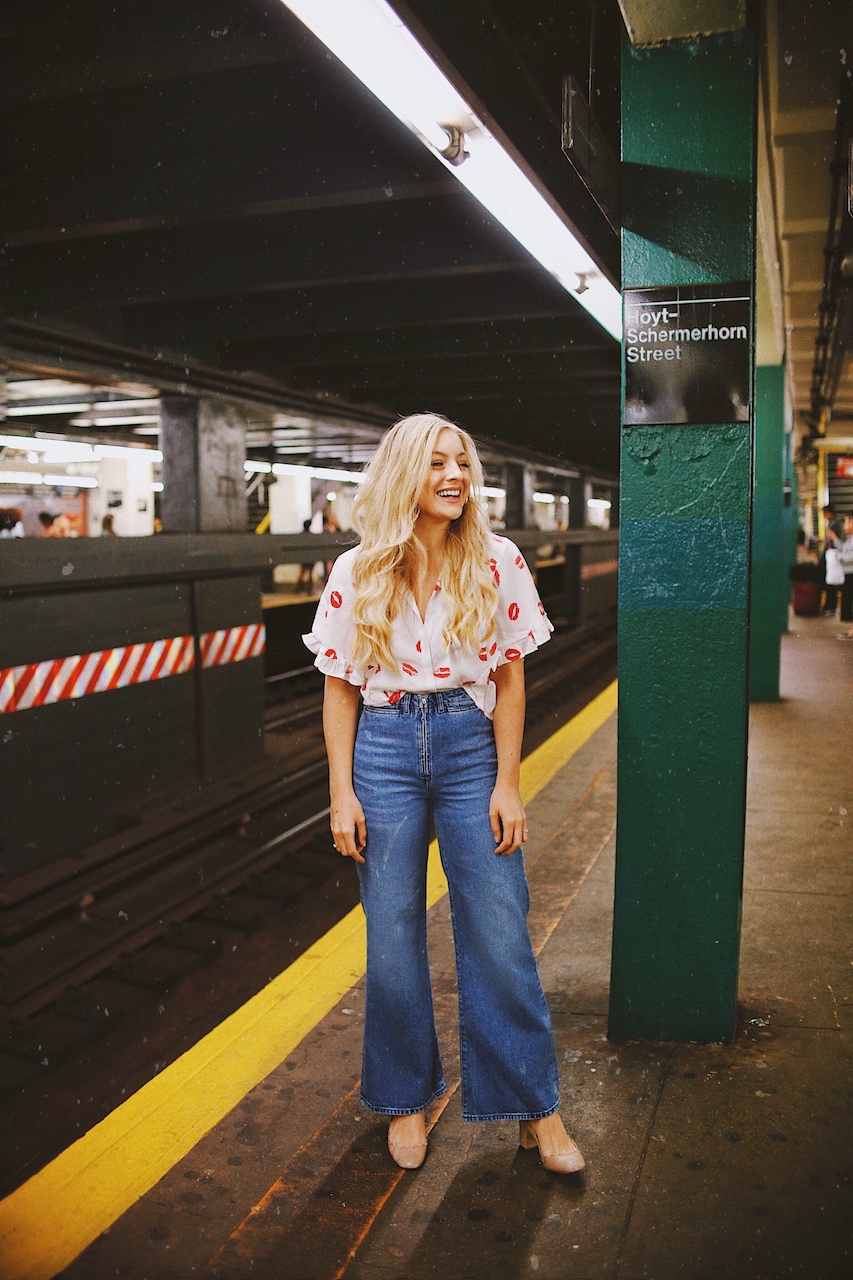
{"x":769,"y":551}
{"x":688,"y":191}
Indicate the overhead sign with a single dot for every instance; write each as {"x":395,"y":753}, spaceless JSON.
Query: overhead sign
{"x":687,"y":354}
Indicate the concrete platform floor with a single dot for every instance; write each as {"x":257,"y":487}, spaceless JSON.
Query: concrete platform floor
{"x":705,"y":1162}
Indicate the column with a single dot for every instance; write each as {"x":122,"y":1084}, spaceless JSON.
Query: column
{"x":579,"y":491}
{"x":518,"y":482}
{"x":203,"y":441}
{"x":769,"y":552}
{"x":688,"y":218}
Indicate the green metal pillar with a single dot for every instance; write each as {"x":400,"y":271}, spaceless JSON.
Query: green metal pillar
{"x":769,"y":552}
{"x":688,"y":214}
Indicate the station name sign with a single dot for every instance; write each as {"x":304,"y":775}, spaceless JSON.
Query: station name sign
{"x":687,"y":354}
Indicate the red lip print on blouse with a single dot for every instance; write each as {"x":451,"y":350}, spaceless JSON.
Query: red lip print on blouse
{"x":421,"y":653}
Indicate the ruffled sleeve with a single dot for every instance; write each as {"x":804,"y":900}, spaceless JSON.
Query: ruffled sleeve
{"x":521,"y":623}
{"x":331,"y":637}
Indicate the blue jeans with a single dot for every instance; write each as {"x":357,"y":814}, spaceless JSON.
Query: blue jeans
{"x":436,"y":752}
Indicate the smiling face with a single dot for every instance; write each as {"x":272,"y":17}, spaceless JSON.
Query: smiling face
{"x":445,"y":490}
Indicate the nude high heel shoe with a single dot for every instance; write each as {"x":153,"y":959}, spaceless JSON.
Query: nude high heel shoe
{"x":570,"y":1161}
{"x":411,"y":1155}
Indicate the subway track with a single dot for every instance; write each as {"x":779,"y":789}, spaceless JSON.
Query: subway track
{"x":88,"y":973}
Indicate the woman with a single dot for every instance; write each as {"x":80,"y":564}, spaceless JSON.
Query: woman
{"x":845,"y":553}
{"x":430,"y":618}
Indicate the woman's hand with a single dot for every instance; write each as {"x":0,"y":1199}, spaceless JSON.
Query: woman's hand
{"x":508,"y":819}
{"x":349,"y":829}
{"x":346,"y":816}
{"x":506,"y":812}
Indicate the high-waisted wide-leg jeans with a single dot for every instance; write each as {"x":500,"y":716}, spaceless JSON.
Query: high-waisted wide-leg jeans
{"x":436,"y":752}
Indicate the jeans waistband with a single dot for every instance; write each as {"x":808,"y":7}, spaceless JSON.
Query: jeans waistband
{"x":442,"y":701}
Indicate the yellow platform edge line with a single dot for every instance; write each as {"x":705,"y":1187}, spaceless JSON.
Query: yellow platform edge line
{"x":49,"y":1220}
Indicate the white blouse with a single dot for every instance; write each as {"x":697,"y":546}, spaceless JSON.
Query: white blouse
{"x":423,"y":661}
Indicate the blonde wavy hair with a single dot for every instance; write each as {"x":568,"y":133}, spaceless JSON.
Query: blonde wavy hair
{"x":384,"y":514}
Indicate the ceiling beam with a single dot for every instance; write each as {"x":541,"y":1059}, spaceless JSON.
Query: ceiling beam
{"x":179,"y":215}
{"x":295,"y":251}
{"x":339,"y":310}
{"x":492,"y":337}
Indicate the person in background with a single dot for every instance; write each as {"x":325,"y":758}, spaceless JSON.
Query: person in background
{"x":833,"y":537}
{"x":331,"y":524}
{"x":108,"y":526}
{"x":11,"y":522}
{"x":845,"y":551}
{"x":305,"y":581}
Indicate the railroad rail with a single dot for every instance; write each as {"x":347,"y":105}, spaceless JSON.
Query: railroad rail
{"x":193,"y":852}
{"x":248,"y":868}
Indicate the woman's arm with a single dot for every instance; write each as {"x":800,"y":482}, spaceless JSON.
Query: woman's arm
{"x":340,"y":718}
{"x":506,"y":812}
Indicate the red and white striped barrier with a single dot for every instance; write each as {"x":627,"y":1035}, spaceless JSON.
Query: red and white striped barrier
{"x":598,"y":569}
{"x":38,"y":684}
{"x":232,"y":645}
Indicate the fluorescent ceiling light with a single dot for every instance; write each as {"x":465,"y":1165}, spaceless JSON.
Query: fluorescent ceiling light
{"x":23,"y":411}
{"x":21,"y":477}
{"x":370,"y":39}
{"x":157,"y":486}
{"x":600,"y":503}
{"x":126,"y":451}
{"x":547,"y":498}
{"x":319,"y":473}
{"x":27,"y":444}
{"x":489,"y":491}
{"x":35,"y":477}
{"x":124,"y":406}
{"x":73,"y":482}
{"x":254,"y":468}
{"x":62,"y":451}
{"x":129,"y":420}
{"x":76,"y":450}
